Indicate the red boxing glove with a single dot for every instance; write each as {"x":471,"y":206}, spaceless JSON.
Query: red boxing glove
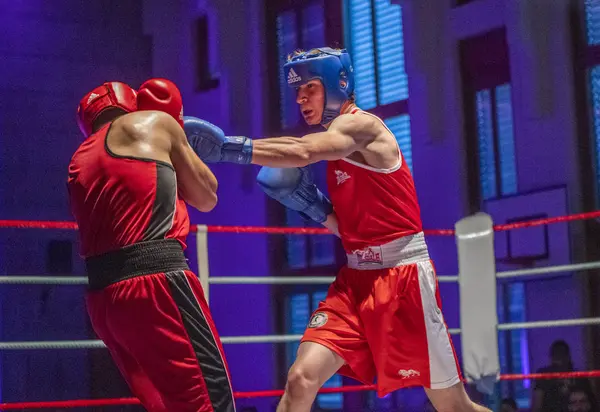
{"x":163,"y":95}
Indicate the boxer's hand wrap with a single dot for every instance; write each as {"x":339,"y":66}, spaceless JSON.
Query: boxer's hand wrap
{"x":294,"y":188}
{"x":212,"y":146}
{"x":162,"y":95}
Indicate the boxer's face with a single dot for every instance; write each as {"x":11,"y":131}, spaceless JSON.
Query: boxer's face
{"x":311,"y":98}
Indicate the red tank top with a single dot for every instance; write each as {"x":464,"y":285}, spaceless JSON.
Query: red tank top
{"x":373,"y":206}
{"x":118,"y":201}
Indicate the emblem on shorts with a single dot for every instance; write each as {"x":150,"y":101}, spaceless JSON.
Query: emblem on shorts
{"x":369,"y":256}
{"x":411,"y":373}
{"x":318,"y":319}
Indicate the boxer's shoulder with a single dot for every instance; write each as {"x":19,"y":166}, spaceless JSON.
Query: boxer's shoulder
{"x":359,"y":128}
{"x":143,"y":124}
{"x":150,"y":132}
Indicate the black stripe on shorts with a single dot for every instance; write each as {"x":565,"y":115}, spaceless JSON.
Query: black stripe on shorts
{"x":203,"y":342}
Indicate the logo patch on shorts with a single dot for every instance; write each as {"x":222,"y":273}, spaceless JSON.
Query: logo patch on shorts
{"x":318,"y":319}
{"x":369,"y":256}
{"x":411,"y":373}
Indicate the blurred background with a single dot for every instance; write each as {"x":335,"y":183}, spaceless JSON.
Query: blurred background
{"x":495,"y":104}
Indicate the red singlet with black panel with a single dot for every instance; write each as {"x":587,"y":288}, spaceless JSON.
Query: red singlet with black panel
{"x":144,"y":302}
{"x":119,"y":200}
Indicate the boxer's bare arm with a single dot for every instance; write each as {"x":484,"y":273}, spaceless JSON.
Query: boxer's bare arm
{"x":332,"y":224}
{"x":346,"y":135}
{"x":197,"y":183}
{"x":157,"y":135}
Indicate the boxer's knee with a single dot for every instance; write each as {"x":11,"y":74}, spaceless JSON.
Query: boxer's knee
{"x":462,"y":406}
{"x":453,"y":399}
{"x":302,"y":382}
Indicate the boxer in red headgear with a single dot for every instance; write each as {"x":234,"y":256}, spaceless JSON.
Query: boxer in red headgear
{"x":129,"y":182}
{"x":109,"y":100}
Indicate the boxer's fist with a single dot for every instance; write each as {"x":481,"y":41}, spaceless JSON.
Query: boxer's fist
{"x":294,"y":188}
{"x":212,"y":146}
{"x":163,"y":95}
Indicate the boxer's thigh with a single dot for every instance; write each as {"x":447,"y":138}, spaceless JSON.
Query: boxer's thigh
{"x":407,"y":333}
{"x":168,"y":332}
{"x":336,"y":325}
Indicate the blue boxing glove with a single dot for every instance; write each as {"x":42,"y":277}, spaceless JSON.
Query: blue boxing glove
{"x":212,"y":146}
{"x":294,"y":188}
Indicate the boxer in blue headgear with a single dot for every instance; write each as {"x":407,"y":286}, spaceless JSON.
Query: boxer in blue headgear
{"x":333,"y":69}
{"x":381,"y":318}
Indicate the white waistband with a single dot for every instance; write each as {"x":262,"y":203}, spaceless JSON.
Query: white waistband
{"x":403,"y":251}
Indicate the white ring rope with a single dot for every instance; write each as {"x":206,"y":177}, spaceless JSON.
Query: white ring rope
{"x":549,"y":323}
{"x":95,"y":344}
{"x":294,"y":280}
{"x":43,"y":280}
{"x":574,"y":267}
{"x":271,"y":280}
{"x":66,"y":344}
{"x":220,"y":280}
{"x":289,"y":280}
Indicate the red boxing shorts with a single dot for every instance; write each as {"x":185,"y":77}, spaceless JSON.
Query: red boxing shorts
{"x":161,"y":335}
{"x":387,"y":323}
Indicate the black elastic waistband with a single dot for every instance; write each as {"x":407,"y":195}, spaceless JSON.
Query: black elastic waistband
{"x":156,"y":256}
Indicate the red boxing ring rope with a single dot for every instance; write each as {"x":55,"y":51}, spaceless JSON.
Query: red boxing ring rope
{"x":45,"y":224}
{"x":269,"y":393}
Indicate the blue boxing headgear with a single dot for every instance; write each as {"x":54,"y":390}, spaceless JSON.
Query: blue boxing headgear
{"x":332,"y":67}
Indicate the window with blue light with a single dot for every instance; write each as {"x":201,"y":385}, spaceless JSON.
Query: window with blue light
{"x":592,"y":19}
{"x":360,"y":20}
{"x":296,"y":245}
{"x":392,"y":80}
{"x":506,"y":140}
{"x":513,"y":346}
{"x":376,"y":44}
{"x":496,"y":142}
{"x":594,"y":76}
{"x":300,"y":308}
{"x":519,"y":343}
{"x":592,"y":67}
{"x":400,"y":127}
{"x":485,"y":140}
{"x":308,"y":251}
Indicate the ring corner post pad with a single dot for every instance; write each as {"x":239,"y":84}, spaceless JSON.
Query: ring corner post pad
{"x":478,"y":310}
{"x":202,"y":256}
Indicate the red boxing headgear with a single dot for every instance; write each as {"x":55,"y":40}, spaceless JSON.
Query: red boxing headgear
{"x":163,"y":95}
{"x":109,"y":95}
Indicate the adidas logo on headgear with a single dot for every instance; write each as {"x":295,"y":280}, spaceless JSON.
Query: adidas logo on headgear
{"x":293,"y":77}
{"x":92,"y":97}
